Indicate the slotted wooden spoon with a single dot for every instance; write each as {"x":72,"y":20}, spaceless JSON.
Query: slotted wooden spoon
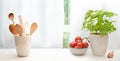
{"x":33,"y":28}
{"x":12,"y":29}
{"x":18,"y":29}
{"x":11,"y":17}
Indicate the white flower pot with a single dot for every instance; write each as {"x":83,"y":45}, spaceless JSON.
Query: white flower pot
{"x":98,"y":44}
{"x":23,"y":44}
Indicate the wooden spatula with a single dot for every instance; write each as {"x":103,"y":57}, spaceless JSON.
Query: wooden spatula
{"x":20,"y":20}
{"x":12,"y":29}
{"x":33,"y":28}
{"x":19,"y":29}
{"x":21,"y":23}
{"x":26,"y":28}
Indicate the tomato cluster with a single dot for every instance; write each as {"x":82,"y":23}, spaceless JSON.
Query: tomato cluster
{"x":78,"y":43}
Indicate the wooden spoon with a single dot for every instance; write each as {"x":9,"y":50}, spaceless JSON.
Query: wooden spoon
{"x":19,"y":29}
{"x":11,"y":17}
{"x":33,"y":28}
{"x":11,"y":29}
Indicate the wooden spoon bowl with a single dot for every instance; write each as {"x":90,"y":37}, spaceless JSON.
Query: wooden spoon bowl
{"x":33,"y":28}
{"x":11,"y":17}
{"x":19,"y":29}
{"x":12,"y":29}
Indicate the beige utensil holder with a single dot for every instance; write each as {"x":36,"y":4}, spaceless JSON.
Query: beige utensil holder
{"x":23,"y":45}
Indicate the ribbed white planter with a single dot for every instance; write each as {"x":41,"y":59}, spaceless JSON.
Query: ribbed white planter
{"x":98,"y":44}
{"x":23,"y":45}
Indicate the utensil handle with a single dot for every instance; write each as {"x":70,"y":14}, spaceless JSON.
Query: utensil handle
{"x":21,"y":23}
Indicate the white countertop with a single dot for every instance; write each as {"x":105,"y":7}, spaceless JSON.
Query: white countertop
{"x":54,"y":55}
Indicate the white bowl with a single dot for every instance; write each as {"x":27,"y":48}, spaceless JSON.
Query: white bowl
{"x":78,"y":51}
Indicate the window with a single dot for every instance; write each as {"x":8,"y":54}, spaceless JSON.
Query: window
{"x":59,"y":21}
{"x":66,"y":33}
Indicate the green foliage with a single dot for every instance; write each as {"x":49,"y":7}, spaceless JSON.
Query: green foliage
{"x":66,"y":36}
{"x":99,"y":22}
{"x":66,"y":12}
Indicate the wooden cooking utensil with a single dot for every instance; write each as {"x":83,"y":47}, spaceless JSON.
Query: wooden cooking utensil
{"x":18,"y":29}
{"x":11,"y":17}
{"x":26,"y":28}
{"x":21,"y":23}
{"x":12,"y":29}
{"x":20,"y":20}
{"x":33,"y":28}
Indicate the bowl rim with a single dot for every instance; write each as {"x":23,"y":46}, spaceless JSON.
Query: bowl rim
{"x":78,"y":48}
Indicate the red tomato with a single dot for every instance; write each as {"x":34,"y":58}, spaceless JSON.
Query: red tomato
{"x":73,"y":44}
{"x":77,"y":41}
{"x":85,"y":44}
{"x":76,"y":46}
{"x":78,"y":38}
{"x":80,"y":45}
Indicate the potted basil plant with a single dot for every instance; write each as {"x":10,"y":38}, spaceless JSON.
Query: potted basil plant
{"x":100,"y":24}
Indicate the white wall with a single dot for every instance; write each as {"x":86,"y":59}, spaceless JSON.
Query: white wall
{"x":7,"y":7}
{"x":78,"y":9}
{"x":50,"y":18}
{"x":54,"y":16}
